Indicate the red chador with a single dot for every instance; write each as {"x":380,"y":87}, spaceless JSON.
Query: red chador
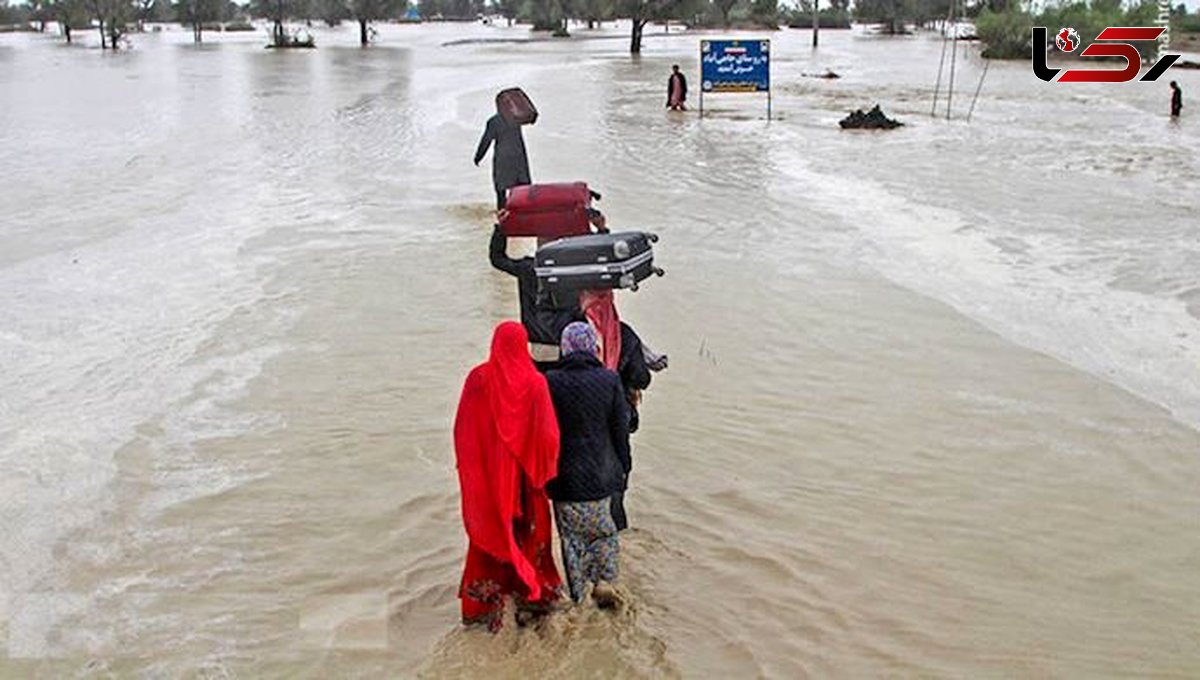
{"x":506,"y":445}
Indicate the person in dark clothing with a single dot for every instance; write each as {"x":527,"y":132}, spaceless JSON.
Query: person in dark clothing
{"x":676,"y":90}
{"x":593,"y":461}
{"x":634,"y":372}
{"x":510,"y":164}
{"x":635,"y":377}
{"x":1176,"y":99}
{"x":543,"y":315}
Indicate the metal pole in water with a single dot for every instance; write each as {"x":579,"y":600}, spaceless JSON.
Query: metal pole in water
{"x":953,"y":55}
{"x":816,"y":22}
{"x":937,"y":88}
{"x":986,"y":63}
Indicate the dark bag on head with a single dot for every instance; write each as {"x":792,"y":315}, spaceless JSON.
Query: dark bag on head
{"x":515,"y":107}
{"x":597,"y":261}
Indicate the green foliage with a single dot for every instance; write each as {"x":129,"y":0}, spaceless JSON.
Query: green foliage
{"x":1005,"y":35}
{"x":896,"y":15}
{"x":1186,"y":23}
{"x":1088,"y":19}
{"x":198,"y":12}
{"x":837,"y":16}
{"x":10,"y":16}
{"x":450,"y":9}
{"x":592,"y":10}
{"x":70,"y":14}
{"x":765,"y":13}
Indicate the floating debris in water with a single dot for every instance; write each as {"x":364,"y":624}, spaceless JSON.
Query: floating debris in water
{"x":871,"y":120}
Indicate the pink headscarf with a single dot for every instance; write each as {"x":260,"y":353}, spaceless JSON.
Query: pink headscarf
{"x":601,"y":312}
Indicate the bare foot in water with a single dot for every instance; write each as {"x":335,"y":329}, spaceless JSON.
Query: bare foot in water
{"x":606,"y":596}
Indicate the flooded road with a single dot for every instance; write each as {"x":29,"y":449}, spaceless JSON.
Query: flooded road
{"x":931,"y":409}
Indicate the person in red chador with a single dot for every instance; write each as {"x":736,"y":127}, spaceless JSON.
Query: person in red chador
{"x":506,"y":445}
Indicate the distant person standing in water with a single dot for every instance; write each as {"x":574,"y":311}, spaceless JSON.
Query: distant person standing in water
{"x":1176,"y":99}
{"x":510,"y":164}
{"x":676,"y":90}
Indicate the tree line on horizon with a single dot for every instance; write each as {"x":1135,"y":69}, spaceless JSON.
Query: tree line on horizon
{"x":1003,"y":25}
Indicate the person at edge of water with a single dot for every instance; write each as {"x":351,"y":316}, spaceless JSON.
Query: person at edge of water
{"x":510,"y":163}
{"x":506,"y":445}
{"x":677,"y":90}
{"x":544,"y":316}
{"x":1176,"y":99}
{"x":593,"y":459}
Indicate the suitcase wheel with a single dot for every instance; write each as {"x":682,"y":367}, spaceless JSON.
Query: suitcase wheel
{"x":653,"y":238}
{"x":658,"y":271}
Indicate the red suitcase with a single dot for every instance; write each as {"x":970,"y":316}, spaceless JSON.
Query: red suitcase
{"x":547,"y":210}
{"x":515,"y":107}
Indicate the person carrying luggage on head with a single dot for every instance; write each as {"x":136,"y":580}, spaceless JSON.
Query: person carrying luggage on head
{"x":510,"y":163}
{"x":543,"y":314}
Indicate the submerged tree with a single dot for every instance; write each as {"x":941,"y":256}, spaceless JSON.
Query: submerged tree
{"x":593,"y":11}
{"x":37,"y":11}
{"x":68,"y":14}
{"x":196,"y":13}
{"x":367,"y":11}
{"x":642,"y":12}
{"x":509,"y":9}
{"x":111,"y":17}
{"x":278,"y":12}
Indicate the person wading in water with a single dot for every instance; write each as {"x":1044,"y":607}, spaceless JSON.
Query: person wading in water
{"x":506,"y":442}
{"x":510,"y":163}
{"x":593,"y":462}
{"x":676,"y":90}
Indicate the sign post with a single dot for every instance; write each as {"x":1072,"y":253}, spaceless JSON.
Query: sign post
{"x":735,"y":66}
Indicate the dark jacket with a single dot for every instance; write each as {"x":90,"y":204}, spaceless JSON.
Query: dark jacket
{"x":510,"y":164}
{"x":632,"y":368}
{"x":1176,"y":101}
{"x":593,"y":425}
{"x":544,"y":318}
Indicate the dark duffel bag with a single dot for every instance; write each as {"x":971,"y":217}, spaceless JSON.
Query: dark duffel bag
{"x":620,"y":260}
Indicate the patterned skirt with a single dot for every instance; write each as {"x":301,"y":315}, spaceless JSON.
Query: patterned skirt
{"x":589,"y":543}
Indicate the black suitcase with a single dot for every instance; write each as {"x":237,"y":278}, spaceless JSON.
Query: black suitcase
{"x":620,"y":260}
